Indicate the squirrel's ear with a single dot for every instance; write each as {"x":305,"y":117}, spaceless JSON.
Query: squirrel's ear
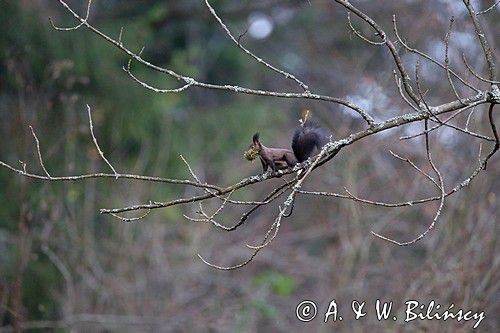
{"x":255,"y":138}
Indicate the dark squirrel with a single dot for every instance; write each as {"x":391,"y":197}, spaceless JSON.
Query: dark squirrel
{"x":305,"y":141}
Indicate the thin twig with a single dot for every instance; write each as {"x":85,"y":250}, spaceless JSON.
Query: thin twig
{"x":488,"y":53}
{"x":120,"y":36}
{"x":83,"y":21}
{"x":237,"y":42}
{"x":97,"y":145}
{"x":495,"y":133}
{"x":414,"y":166}
{"x":403,"y":96}
{"x":441,"y":203}
{"x":210,"y":218}
{"x":469,"y":117}
{"x":475,"y":74}
{"x":357,"y":33}
{"x":446,"y":123}
{"x":489,"y":8}
{"x":149,"y":87}
{"x":426,"y":56}
{"x":447,"y":59}
{"x":399,"y":64}
{"x":131,"y":219}
{"x":39,"y":153}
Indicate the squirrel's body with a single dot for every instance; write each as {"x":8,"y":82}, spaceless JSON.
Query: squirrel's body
{"x":305,"y":140}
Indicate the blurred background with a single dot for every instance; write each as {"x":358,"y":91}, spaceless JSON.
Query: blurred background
{"x":65,"y":267}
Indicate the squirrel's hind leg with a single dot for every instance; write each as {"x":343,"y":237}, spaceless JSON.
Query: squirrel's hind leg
{"x":290,"y":159}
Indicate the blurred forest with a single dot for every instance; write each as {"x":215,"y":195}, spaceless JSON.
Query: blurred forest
{"x":65,"y":267}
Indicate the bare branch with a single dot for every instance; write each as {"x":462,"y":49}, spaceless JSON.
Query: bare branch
{"x":414,"y":166}
{"x":488,"y":54}
{"x":333,"y":149}
{"x":237,"y":42}
{"x":131,"y":219}
{"x":426,"y":56}
{"x":475,"y":74}
{"x":39,"y":153}
{"x":447,"y":59}
{"x":214,"y":194}
{"x":469,"y":117}
{"x":232,"y":88}
{"x":403,"y":96}
{"x":495,"y":133}
{"x":399,"y":64}
{"x":23,"y":164}
{"x":120,"y":36}
{"x":459,"y":129}
{"x":441,"y":203}
{"x":210,"y":218}
{"x":275,"y":194}
{"x":446,"y":123}
{"x":357,"y":33}
{"x":256,"y":249}
{"x":147,"y":86}
{"x":84,"y":21}
{"x":24,"y":173}
{"x":268,"y":238}
{"x":466,"y":182}
{"x":97,"y":145}
{"x":489,"y":8}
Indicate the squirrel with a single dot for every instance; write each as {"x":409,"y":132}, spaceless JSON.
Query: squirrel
{"x":305,"y":140}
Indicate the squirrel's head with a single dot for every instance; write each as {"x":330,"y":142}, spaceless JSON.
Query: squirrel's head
{"x":253,"y":149}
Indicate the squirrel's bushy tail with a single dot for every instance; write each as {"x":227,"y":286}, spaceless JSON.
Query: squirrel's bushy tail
{"x":306,"y":138}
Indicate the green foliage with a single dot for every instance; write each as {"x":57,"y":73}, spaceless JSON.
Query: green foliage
{"x":266,"y":309}
{"x":280,"y":284}
{"x":40,"y":282}
{"x":251,"y":154}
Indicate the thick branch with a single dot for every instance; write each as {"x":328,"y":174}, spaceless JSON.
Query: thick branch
{"x":333,"y":149}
